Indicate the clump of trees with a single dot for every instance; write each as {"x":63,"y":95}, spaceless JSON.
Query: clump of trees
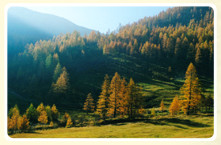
{"x":117,"y":99}
{"x":191,"y":98}
{"x":17,"y":123}
{"x":32,"y":116}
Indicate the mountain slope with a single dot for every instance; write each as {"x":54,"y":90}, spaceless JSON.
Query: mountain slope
{"x":48,"y":23}
{"x":21,"y":33}
{"x":155,"y":57}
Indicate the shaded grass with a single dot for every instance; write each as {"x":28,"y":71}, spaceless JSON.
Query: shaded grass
{"x":164,"y":127}
{"x":155,"y":90}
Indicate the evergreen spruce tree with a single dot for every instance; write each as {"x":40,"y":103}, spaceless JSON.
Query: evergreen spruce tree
{"x":32,"y":114}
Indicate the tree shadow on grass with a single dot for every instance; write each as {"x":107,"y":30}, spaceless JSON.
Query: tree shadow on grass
{"x":161,"y":121}
{"x":180,"y":121}
{"x":208,"y":114}
{"x":119,"y":122}
{"x":27,"y":131}
{"x":33,"y":132}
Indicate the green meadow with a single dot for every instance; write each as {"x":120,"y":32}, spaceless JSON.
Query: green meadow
{"x":195,"y":126}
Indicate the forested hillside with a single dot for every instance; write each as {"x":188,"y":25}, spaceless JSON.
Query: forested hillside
{"x":27,"y":26}
{"x":64,"y":69}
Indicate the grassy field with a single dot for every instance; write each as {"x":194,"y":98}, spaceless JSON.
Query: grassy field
{"x":153,"y":91}
{"x":198,"y":126}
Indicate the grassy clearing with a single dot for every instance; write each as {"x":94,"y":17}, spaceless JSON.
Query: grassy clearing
{"x":197,"y":126}
{"x":156,"y":90}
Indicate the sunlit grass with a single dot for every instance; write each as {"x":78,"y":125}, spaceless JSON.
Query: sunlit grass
{"x":161,"y":127}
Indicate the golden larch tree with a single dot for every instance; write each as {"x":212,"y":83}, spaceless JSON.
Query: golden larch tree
{"x":162,"y":107}
{"x":134,"y":99}
{"x":191,"y":92}
{"x":13,"y":111}
{"x":54,"y":113}
{"x":40,"y":108}
{"x":174,"y":108}
{"x":114,"y":95}
{"x":89,"y":104}
{"x":69,"y":122}
{"x":43,"y":118}
{"x":19,"y":124}
{"x":57,"y":71}
{"x":62,"y":83}
{"x":23,"y":123}
{"x":102,"y":103}
{"x":123,"y":98}
{"x":13,"y":121}
{"x":66,"y":119}
{"x":49,"y":113}
{"x":9,"y":123}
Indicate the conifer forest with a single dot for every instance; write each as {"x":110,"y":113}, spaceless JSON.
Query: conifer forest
{"x":153,"y":78}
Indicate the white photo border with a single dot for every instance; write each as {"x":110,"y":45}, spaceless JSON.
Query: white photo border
{"x":110,"y":5}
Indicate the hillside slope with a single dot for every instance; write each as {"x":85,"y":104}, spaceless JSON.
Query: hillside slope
{"x":51,"y":24}
{"x":156,"y":57}
{"x":27,"y":26}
